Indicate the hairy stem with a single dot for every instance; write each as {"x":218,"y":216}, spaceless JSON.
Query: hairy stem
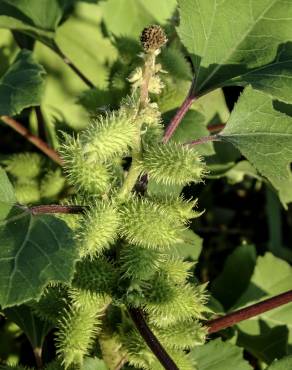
{"x":36,"y":141}
{"x":248,"y":312}
{"x":56,"y":208}
{"x":152,"y":342}
{"x":70,"y":64}
{"x":134,"y":170}
{"x":176,"y":120}
{"x":203,"y":140}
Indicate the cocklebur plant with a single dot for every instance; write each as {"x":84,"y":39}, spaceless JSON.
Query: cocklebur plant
{"x":125,"y":238}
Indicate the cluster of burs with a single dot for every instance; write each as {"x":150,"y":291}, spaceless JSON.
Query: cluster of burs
{"x":126,"y":237}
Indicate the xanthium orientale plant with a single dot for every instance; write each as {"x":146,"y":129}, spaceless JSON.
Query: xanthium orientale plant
{"x":125,"y":237}
{"x":118,"y":294}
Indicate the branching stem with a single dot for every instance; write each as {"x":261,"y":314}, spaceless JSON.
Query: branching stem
{"x":151,"y":340}
{"x":56,"y":208}
{"x":176,"y":120}
{"x":35,"y":140}
{"x":248,"y":312}
{"x":203,"y":140}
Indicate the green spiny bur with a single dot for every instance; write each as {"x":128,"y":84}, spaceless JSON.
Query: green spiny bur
{"x":78,"y":327}
{"x":52,"y":184}
{"x":108,"y":137}
{"x":98,"y":229}
{"x":138,"y":226}
{"x":139,"y":263}
{"x":27,"y":192}
{"x":95,"y":275}
{"x":53,"y":302}
{"x":173,"y":164}
{"x":24,"y":165}
{"x":85,"y":176}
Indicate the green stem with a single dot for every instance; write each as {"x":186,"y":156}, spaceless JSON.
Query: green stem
{"x":134,"y":171}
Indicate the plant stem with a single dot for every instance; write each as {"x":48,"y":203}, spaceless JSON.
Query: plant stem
{"x":135,"y":170}
{"x":202,"y":140}
{"x":216,"y":128}
{"x":248,"y":312}
{"x":69,"y":63}
{"x":38,"y":357}
{"x":176,"y":120}
{"x":56,"y":208}
{"x":152,"y":342}
{"x":39,"y":143}
{"x":41,"y":124}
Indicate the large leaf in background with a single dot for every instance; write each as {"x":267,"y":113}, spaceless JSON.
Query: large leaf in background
{"x":139,"y":14}
{"x":6,"y":190}
{"x":271,"y":276}
{"x":218,"y":355}
{"x":230,"y":49}
{"x":36,"y":18}
{"x":269,"y":344}
{"x":22,"y":84}
{"x":35,"y":250}
{"x":84,"y":24}
{"x":283,"y":364}
{"x":235,"y":277}
{"x":264,"y":137}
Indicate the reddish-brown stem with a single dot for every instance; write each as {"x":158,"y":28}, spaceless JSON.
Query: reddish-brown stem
{"x":202,"y":140}
{"x":216,"y":128}
{"x":151,"y":340}
{"x":39,"y":143}
{"x":248,"y":312}
{"x":56,"y":208}
{"x":174,"y":123}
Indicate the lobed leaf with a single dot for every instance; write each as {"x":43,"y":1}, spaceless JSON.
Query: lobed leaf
{"x":228,"y":49}
{"x":264,"y":137}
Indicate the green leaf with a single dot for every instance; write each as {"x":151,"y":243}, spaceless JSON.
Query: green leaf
{"x":264,"y":137}
{"x":283,"y":364}
{"x":218,"y":355}
{"x":240,"y":170}
{"x":271,"y":276}
{"x":35,"y":250}
{"x":174,"y":62}
{"x":87,"y":56}
{"x":235,"y":277}
{"x":229,"y":49}
{"x":269,"y":344}
{"x":36,"y":18}
{"x":139,"y":14}
{"x":33,"y":327}
{"x":22,"y":84}
{"x":190,"y":247}
{"x":6,"y":189}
